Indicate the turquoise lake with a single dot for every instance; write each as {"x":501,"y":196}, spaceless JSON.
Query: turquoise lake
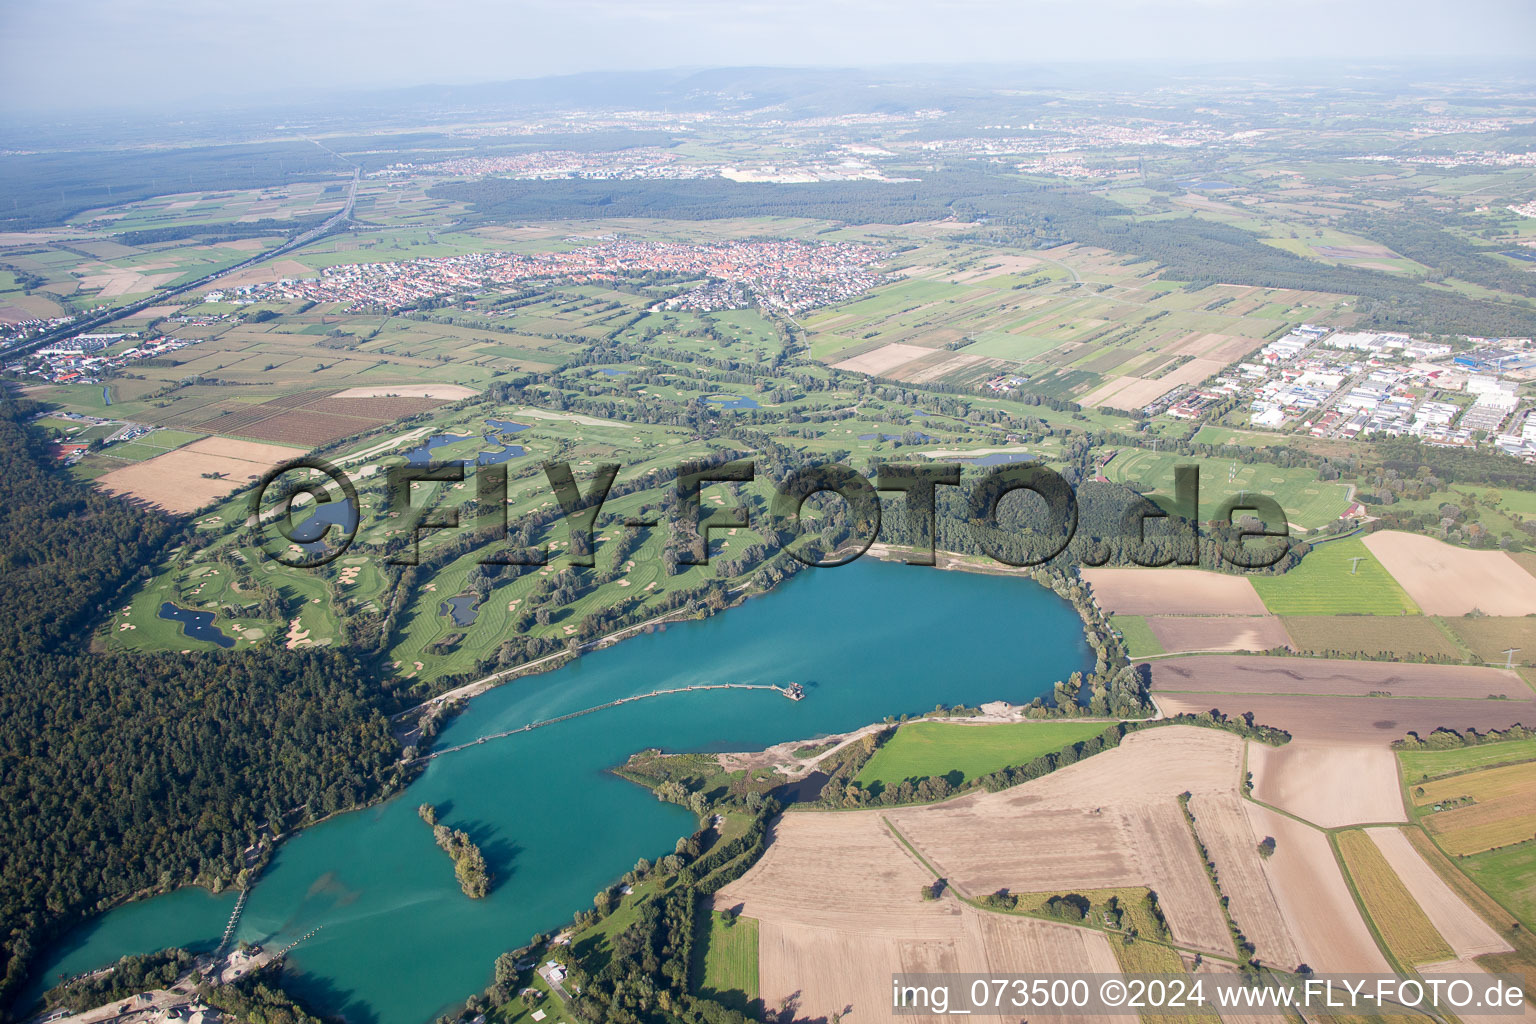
{"x":398,"y":942}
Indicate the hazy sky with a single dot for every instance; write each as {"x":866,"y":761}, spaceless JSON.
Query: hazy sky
{"x":87,"y":53}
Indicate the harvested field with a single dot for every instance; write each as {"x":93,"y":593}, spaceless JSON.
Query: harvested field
{"x":1314,"y":901}
{"x":1403,"y":925}
{"x":1171,"y":864}
{"x":1368,"y":720}
{"x":838,"y":910}
{"x":275,"y":271}
{"x":1110,"y":821}
{"x":1303,"y":777}
{"x":1228,"y":837}
{"x":871,"y":879}
{"x":1447,"y":580}
{"x":1128,"y":393}
{"x":1070,"y":848}
{"x":315,"y":417}
{"x":1503,"y":812}
{"x":1256,"y":675}
{"x":1468,"y":934}
{"x":1218,"y":633}
{"x":1131,"y":393}
{"x":152,"y":312}
{"x":446,"y":392}
{"x":1172,"y":592}
{"x":836,"y":894}
{"x":176,"y":482}
{"x":1465,"y":966}
{"x":883,"y":359}
{"x":1372,"y":635}
{"x":816,"y":971}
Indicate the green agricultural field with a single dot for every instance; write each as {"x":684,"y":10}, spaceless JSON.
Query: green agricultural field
{"x":1358,"y":635}
{"x":1016,"y":348}
{"x":1509,"y":875}
{"x":1489,"y":636}
{"x":930,"y":749}
{"x":1324,"y":585}
{"x":1308,"y":502}
{"x":1137,"y":635}
{"x":725,"y":962}
{"x":1419,"y":765}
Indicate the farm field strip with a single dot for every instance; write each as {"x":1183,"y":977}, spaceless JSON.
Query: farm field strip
{"x":1482,"y":810}
{"x":931,"y":749}
{"x":1460,"y":926}
{"x":1329,"y":582}
{"x":1423,"y":764}
{"x":1228,"y":837}
{"x":1403,"y":925}
{"x":1313,"y":897}
{"x":1447,"y":580}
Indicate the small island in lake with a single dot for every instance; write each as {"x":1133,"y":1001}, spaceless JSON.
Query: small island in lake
{"x":468,"y":862}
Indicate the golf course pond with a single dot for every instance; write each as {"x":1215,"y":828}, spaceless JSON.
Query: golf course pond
{"x":398,"y":941}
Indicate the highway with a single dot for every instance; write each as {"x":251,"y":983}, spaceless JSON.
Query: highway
{"x":340,"y":218}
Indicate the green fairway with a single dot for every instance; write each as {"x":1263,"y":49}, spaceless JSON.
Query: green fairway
{"x":930,"y":749}
{"x":1324,"y":585}
{"x":1308,"y":502}
{"x":729,"y":954}
{"x":1434,"y":764}
{"x":1136,"y":635}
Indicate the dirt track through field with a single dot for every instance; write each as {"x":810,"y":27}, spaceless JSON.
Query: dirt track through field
{"x":1305,"y":777}
{"x":1314,"y":900}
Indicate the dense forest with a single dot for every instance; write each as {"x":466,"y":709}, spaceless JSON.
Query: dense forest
{"x":124,"y":773}
{"x":859,"y":202}
{"x":1410,"y":234}
{"x":48,"y":188}
{"x":1202,"y":252}
{"x":226,"y":232}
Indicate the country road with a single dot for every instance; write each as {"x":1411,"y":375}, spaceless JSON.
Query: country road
{"x":341,"y":217}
